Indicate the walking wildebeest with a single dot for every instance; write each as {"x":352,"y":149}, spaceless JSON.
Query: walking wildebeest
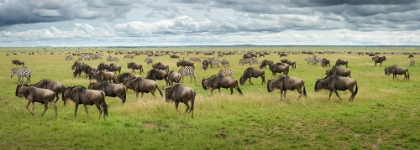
{"x":18,"y":62}
{"x":279,"y":68}
{"x":284,"y":83}
{"x":103,"y":66}
{"x":173,"y":76}
{"x":397,"y":70}
{"x":289,"y":62}
{"x":110,"y":89}
{"x":379,"y":60}
{"x":139,"y":84}
{"x":156,"y":74}
{"x":81,"y":95}
{"x":55,"y":86}
{"x":341,"y":62}
{"x":160,"y":66}
{"x":252,"y":73}
{"x":179,"y":93}
{"x":114,"y":68}
{"x":334,"y":83}
{"x":103,"y":76}
{"x":134,"y":66}
{"x":34,"y":94}
{"x":184,"y":63}
{"x":324,"y":62}
{"x":220,"y":81}
{"x":344,"y":72}
{"x":266,"y":62}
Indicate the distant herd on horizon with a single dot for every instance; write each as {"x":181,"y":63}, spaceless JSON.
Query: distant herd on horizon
{"x":111,"y":82}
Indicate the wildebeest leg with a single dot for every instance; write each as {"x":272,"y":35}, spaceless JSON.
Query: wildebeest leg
{"x":281,"y":94}
{"x":329,"y":96}
{"x":299,"y":90}
{"x":137,"y":94}
{"x":336,"y":93}
{"x":55,"y":107}
{"x":86,"y":109}
{"x":194,"y":78}
{"x":188,"y":106}
{"x":176,"y":106}
{"x":27,"y":107}
{"x":45,"y":108}
{"x":75,"y":110}
{"x":56,"y":97}
{"x":231,"y":90}
{"x":211,"y":91}
{"x":98,"y":106}
{"x":250,"y":81}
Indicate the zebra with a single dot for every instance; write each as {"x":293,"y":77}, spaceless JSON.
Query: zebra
{"x":149,"y":60}
{"x":213,"y":62}
{"x":246,"y":61}
{"x":226,"y":72}
{"x":187,"y":71}
{"x":412,"y":61}
{"x":112,"y":58}
{"x":22,"y":72}
{"x":225,"y":62}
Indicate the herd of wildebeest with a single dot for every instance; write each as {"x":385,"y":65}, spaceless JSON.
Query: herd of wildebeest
{"x":111,"y":82}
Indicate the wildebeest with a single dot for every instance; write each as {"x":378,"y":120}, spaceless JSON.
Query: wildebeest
{"x":252,"y":73}
{"x":114,"y":68}
{"x":142,"y":85}
{"x":124,"y":77}
{"x":184,"y":63}
{"x":34,"y":94}
{"x":341,"y":62}
{"x":284,"y":83}
{"x":279,"y":68}
{"x":379,"y":60}
{"x":110,"y":89}
{"x":135,"y":66}
{"x":397,"y":70}
{"x":179,"y":93}
{"x":103,"y":76}
{"x":173,"y":56}
{"x":266,"y":62}
{"x":160,"y":66}
{"x":205,"y":64}
{"x":156,"y":74}
{"x":174,"y":77}
{"x":18,"y":62}
{"x":289,"y":62}
{"x":220,"y":81}
{"x":55,"y":86}
{"x":149,"y":60}
{"x":334,"y":83}
{"x":81,"y":95}
{"x":411,"y":55}
{"x":324,"y":62}
{"x":344,"y":72}
{"x":103,"y":66}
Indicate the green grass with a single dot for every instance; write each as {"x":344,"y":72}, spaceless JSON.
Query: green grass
{"x":385,"y":114}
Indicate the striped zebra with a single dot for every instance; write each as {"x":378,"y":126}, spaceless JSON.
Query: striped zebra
{"x":22,"y":72}
{"x":110,"y":58}
{"x":213,"y":62}
{"x":187,"y":71}
{"x":245,"y":61}
{"x":225,"y":63}
{"x":226,"y":72}
{"x":149,"y":60}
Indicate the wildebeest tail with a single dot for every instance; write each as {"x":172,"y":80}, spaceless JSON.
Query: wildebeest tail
{"x":124,"y":94}
{"x":357,"y":88}
{"x":192,"y":104}
{"x":104,"y":105}
{"x":304,"y":89}
{"x":239,"y":89}
{"x":160,"y":92}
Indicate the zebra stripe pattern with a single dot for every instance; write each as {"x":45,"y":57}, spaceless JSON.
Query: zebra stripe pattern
{"x":225,"y":62}
{"x":187,"y":71}
{"x":23,"y":72}
{"x":226,"y":72}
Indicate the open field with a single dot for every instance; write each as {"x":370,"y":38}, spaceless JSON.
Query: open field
{"x":385,"y":114}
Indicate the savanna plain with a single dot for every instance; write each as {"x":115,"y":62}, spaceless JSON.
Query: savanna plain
{"x":385,"y":113}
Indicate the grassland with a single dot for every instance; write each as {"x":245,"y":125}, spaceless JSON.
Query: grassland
{"x":384,"y":115}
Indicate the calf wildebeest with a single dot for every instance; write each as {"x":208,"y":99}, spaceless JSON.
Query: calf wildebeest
{"x":173,"y":77}
{"x":289,"y":62}
{"x":284,"y":83}
{"x":179,"y":93}
{"x":252,"y":73}
{"x":18,"y":62}
{"x":341,"y":62}
{"x":220,"y":81}
{"x":156,"y":74}
{"x":379,"y":60}
{"x":81,"y":95}
{"x":135,"y":66}
{"x":34,"y":94}
{"x":344,"y":72}
{"x":160,"y":66}
{"x":334,"y":83}
{"x":279,"y":68}
{"x":110,"y":89}
{"x":184,"y":63}
{"x":324,"y":62}
{"x":103,"y":76}
{"x":142,"y":85}
{"x":266,"y":62}
{"x":397,"y":70}
{"x":55,"y":86}
{"x":412,"y":61}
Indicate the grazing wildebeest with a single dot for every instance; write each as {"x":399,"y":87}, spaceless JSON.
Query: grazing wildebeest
{"x":341,"y":62}
{"x":81,"y":95}
{"x":34,"y":94}
{"x":18,"y":62}
{"x":156,"y":74}
{"x":173,"y":56}
{"x":142,"y":85}
{"x":397,"y":70}
{"x":289,"y":62}
{"x":344,"y":72}
{"x":110,"y":89}
{"x":103,"y":76}
{"x":179,"y":93}
{"x":55,"y":86}
{"x":334,"y":83}
{"x":219,"y":81}
{"x":103,"y":66}
{"x":184,"y":63}
{"x":266,"y":62}
{"x":412,"y":61}
{"x":279,"y":68}
{"x":160,"y":66}
{"x":205,"y":64}
{"x":284,"y":83}
{"x":379,"y":60}
{"x":252,"y":73}
{"x":124,"y":77}
{"x":134,"y":66}
{"x":282,"y":54}
{"x":77,"y":64}
{"x":173,"y":77}
{"x":324,"y":62}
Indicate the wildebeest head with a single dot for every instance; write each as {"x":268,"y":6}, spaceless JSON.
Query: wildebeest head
{"x":204,"y":83}
{"x":168,"y":94}
{"x":388,"y":70}
{"x":318,"y":85}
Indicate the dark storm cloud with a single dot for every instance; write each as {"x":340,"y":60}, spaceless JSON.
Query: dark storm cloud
{"x":23,"y":12}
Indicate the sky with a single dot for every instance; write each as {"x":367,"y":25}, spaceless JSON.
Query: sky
{"x":208,"y":22}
